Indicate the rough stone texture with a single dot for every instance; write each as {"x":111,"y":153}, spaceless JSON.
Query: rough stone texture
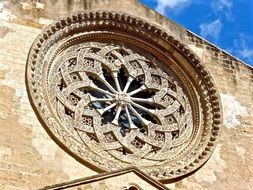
{"x":30,"y":159}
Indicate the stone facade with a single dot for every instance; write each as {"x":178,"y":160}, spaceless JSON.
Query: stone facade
{"x":29,"y":159}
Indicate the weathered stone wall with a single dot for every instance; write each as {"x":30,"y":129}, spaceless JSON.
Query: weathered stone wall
{"x":29,"y":159}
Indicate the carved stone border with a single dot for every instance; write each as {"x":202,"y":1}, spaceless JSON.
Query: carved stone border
{"x":107,"y":175}
{"x":186,"y":63}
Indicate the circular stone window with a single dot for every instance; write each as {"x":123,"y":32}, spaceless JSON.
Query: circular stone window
{"x":116,"y":91}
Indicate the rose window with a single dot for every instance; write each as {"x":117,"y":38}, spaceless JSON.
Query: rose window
{"x":115,"y":91}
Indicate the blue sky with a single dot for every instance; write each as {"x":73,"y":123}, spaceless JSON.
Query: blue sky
{"x":225,"y":23}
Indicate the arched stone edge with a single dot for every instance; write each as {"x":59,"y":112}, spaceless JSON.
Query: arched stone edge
{"x":150,"y":29}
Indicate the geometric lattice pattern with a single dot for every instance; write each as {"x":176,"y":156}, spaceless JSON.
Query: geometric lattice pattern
{"x":114,"y":96}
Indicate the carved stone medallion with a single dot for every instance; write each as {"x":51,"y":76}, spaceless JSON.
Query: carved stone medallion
{"x":116,"y":91}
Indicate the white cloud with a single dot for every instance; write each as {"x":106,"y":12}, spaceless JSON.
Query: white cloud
{"x":242,"y":49}
{"x":247,"y":54}
{"x":223,"y":7}
{"x":162,"y":5}
{"x":211,"y":29}
{"x":220,"y":5}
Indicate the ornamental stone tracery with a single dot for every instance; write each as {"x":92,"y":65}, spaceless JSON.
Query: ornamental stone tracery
{"x":114,"y":99}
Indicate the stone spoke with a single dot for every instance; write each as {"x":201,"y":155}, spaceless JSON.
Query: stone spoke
{"x":102,"y":111}
{"x":94,"y":99}
{"x":142,"y":120}
{"x":116,"y":80}
{"x":150,"y":111}
{"x":116,"y":118}
{"x":131,"y":124}
{"x":144,"y":100}
{"x":95,"y":87}
{"x":129,"y":80}
{"x":143,"y":87}
{"x":108,"y":85}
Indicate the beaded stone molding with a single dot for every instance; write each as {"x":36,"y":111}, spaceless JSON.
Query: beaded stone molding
{"x":115,"y":91}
